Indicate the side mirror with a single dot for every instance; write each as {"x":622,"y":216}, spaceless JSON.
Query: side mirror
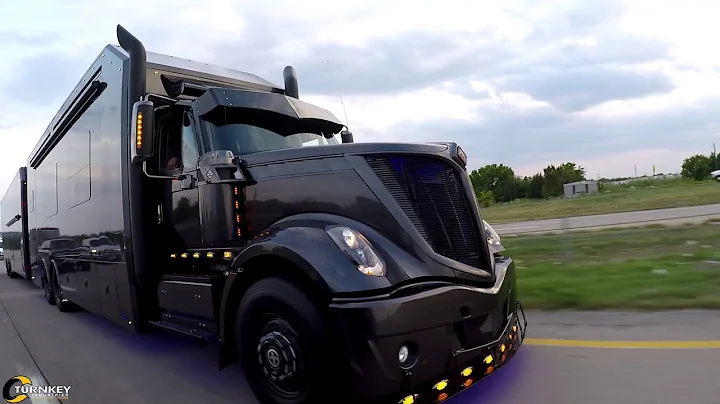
{"x":143,"y":131}
{"x":346,"y":136}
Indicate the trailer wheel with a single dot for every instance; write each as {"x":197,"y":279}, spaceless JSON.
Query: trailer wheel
{"x":10,"y":271}
{"x":49,"y":294}
{"x":282,"y":341}
{"x":62,"y":304}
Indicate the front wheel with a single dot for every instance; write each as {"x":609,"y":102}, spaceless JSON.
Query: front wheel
{"x":283,"y":343}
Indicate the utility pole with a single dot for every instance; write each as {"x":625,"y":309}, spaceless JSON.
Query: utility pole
{"x":635,"y":170}
{"x":715,"y":158}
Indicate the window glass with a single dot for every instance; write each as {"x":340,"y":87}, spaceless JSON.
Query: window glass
{"x":190,"y":154}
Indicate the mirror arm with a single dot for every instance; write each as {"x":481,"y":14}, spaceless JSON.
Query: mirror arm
{"x":161,"y":177}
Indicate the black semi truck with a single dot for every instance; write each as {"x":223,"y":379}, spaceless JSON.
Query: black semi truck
{"x":216,"y":204}
{"x":15,"y":227}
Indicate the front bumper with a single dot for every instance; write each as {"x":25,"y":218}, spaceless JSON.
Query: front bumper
{"x":483,"y":361}
{"x":447,"y":330}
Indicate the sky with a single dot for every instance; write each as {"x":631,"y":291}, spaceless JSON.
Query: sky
{"x":610,"y":85}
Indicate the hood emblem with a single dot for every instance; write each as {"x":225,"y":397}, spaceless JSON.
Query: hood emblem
{"x":209,"y":174}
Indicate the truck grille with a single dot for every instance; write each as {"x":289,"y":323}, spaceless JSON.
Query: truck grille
{"x":431,"y":195}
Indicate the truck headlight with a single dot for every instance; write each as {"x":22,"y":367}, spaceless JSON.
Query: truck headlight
{"x":492,"y":236}
{"x":358,"y":249}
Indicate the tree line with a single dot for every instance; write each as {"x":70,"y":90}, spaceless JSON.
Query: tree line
{"x":699,"y":166}
{"x":497,"y":183}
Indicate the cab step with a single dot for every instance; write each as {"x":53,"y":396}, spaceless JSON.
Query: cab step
{"x":186,"y":330}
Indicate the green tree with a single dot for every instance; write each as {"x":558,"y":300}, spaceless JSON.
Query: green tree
{"x":485,"y":198}
{"x":498,"y":179}
{"x":535,"y":185}
{"x":555,"y":177}
{"x":697,"y":167}
{"x":531,"y":187}
{"x":714,"y":161}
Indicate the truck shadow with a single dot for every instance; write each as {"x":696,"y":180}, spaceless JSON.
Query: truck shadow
{"x":118,"y":361}
{"x":195,"y":363}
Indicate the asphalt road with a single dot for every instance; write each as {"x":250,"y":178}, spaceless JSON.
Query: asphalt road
{"x":667,"y":216}
{"x":105,"y":364}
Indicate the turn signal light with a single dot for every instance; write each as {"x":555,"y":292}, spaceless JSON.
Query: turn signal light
{"x":440,"y":385}
{"x":489,"y":370}
{"x":467,"y":383}
{"x":139,"y":130}
{"x":408,"y":400}
{"x":467,"y":371}
{"x":442,"y":397}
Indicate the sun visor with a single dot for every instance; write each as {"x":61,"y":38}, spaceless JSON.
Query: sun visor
{"x":277,"y":112}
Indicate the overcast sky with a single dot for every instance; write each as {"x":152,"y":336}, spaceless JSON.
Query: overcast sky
{"x":606,"y":84}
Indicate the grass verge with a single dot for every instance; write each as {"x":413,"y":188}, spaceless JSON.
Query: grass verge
{"x":650,"y":268}
{"x":643,"y":195}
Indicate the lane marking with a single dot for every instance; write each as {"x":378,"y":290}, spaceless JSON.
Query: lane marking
{"x":624,"y":344}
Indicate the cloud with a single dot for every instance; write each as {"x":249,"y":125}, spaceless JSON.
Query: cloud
{"x":576,"y":89}
{"x":519,"y":82}
{"x":530,"y":139}
{"x":45,"y":78}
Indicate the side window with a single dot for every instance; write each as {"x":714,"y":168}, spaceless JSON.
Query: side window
{"x":190,"y":154}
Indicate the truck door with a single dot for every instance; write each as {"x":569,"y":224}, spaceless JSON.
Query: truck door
{"x":185,"y":214}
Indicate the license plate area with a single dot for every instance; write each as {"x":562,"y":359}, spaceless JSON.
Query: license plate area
{"x":469,"y":366}
{"x":482,"y":329}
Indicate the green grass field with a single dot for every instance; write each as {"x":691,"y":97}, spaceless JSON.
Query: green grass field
{"x":650,"y":268}
{"x":623,"y":198}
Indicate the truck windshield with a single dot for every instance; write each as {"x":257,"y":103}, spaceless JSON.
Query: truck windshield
{"x":244,"y":139}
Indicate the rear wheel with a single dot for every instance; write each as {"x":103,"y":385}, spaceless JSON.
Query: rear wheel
{"x":61,"y":303}
{"x":283,"y":344}
{"x":10,"y":272}
{"x":49,"y":293}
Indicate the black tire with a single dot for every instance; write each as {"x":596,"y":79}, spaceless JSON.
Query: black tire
{"x":10,"y":272}
{"x":62,"y":304}
{"x":49,"y":293}
{"x":278,"y":325}
{"x":717,"y":178}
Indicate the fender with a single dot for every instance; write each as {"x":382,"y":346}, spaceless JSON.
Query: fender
{"x":302,"y":240}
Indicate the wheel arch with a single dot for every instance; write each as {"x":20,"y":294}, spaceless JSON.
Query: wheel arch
{"x":254,"y":269}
